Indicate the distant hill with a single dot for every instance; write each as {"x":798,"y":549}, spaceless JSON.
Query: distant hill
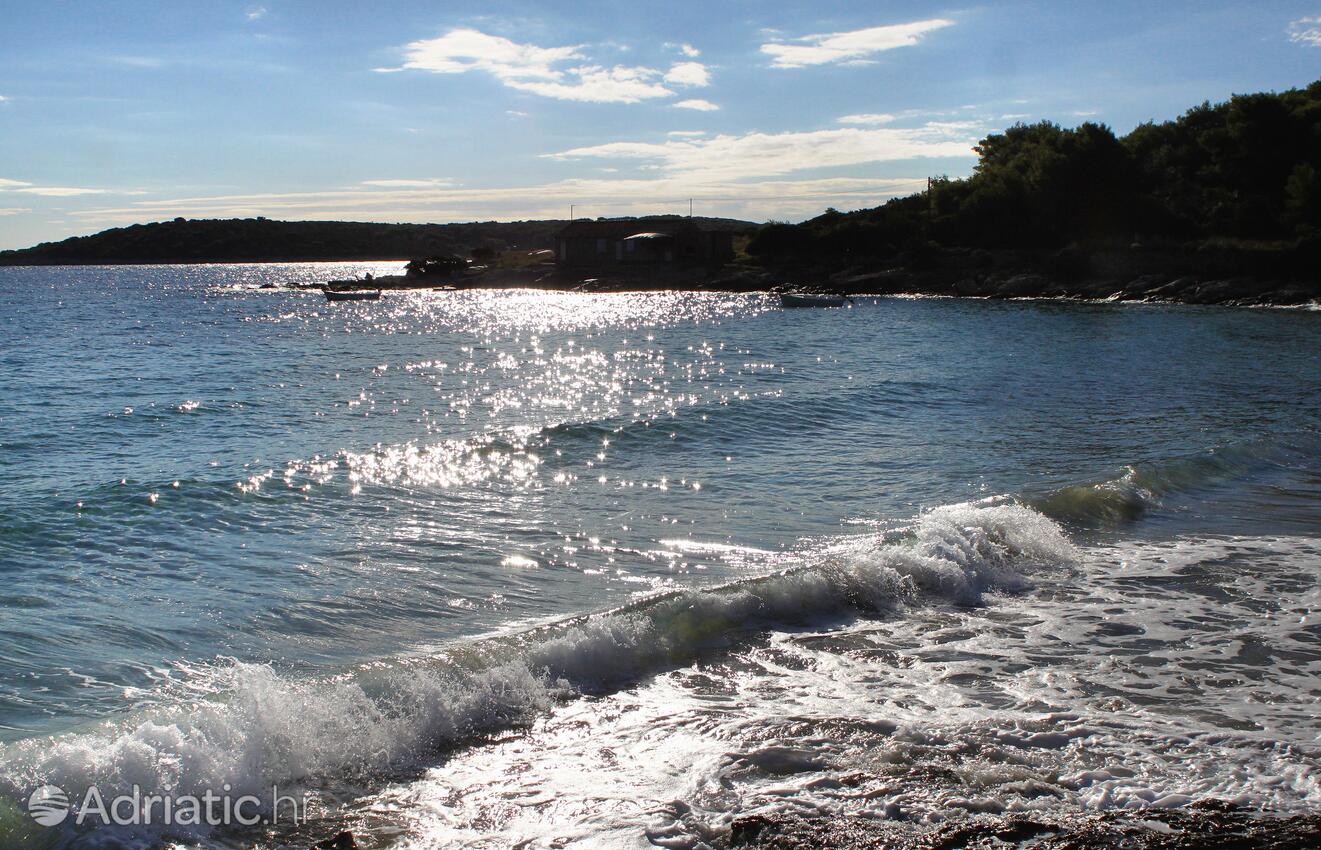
{"x":256,"y":240}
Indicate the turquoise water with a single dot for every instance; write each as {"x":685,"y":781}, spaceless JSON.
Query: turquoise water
{"x":212,"y":490}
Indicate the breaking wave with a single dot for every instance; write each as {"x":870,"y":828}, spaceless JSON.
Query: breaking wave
{"x":247,"y":726}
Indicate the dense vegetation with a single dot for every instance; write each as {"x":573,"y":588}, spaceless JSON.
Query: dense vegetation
{"x":1247,"y":169}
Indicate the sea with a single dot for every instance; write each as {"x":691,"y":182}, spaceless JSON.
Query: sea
{"x":512,"y":568}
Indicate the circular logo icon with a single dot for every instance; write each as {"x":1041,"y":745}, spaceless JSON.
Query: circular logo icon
{"x":48,"y":805}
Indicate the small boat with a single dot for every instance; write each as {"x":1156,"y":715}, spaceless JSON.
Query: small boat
{"x":352,"y":294}
{"x":792,"y":300}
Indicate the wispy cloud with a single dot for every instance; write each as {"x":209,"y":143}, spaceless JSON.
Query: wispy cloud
{"x":26,"y":188}
{"x":13,"y":210}
{"x":60,"y":191}
{"x":684,"y":48}
{"x":1306,"y":31}
{"x":409,"y":184}
{"x":614,"y":196}
{"x":853,"y":46}
{"x":256,"y":13}
{"x":698,"y":104}
{"x":727,"y":157}
{"x":537,"y":70}
{"x":138,"y":61}
{"x":867,"y":118}
{"x":3,"y":99}
{"x":688,"y":74}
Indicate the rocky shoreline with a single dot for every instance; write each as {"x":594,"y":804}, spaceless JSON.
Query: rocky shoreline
{"x":1160,"y":288}
{"x":1150,"y":288}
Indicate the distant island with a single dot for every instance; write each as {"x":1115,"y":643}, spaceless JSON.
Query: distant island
{"x":1219,"y":206}
{"x":260,"y":240}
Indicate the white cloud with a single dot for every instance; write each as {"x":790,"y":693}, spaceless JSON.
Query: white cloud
{"x":1306,"y":31}
{"x":48,"y":191}
{"x":3,"y":99}
{"x":683,"y":47}
{"x":773,"y":154}
{"x":13,"y":210}
{"x":867,"y":118}
{"x":529,"y":68}
{"x":594,"y":84}
{"x":685,"y":134}
{"x":1086,"y":113}
{"x":848,"y":46}
{"x":408,"y":184}
{"x":463,"y":50}
{"x":59,"y":191}
{"x":688,"y":74}
{"x":256,"y":13}
{"x":698,"y":104}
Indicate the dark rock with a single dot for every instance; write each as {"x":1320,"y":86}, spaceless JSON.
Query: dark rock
{"x":1294,"y":294}
{"x":343,"y":841}
{"x":968,"y":287}
{"x":1211,"y":292}
{"x":1140,"y":288}
{"x":1023,"y":286}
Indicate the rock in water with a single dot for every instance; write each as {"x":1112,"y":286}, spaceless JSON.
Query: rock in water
{"x":343,"y":841}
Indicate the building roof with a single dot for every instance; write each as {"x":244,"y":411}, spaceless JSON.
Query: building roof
{"x":648,"y":236}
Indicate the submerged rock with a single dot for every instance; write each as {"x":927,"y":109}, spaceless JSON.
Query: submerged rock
{"x":343,"y":841}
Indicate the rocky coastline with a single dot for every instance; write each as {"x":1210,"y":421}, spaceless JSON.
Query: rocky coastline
{"x":966,"y":274}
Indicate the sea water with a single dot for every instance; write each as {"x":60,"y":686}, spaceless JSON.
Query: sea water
{"x":502,"y":568}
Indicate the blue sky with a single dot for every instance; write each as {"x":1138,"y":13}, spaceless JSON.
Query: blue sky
{"x":116,"y":113}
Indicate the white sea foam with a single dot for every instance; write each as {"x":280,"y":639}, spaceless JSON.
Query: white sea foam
{"x":1122,"y":684}
{"x":1139,"y":675}
{"x":252,"y":727}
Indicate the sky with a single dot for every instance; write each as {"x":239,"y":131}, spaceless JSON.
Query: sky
{"x":115,"y":113}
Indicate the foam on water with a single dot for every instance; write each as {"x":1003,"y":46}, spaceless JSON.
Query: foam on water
{"x":248,"y":727}
{"x":943,"y":714}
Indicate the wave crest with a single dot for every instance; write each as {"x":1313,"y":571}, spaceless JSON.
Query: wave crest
{"x":257,"y":728}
